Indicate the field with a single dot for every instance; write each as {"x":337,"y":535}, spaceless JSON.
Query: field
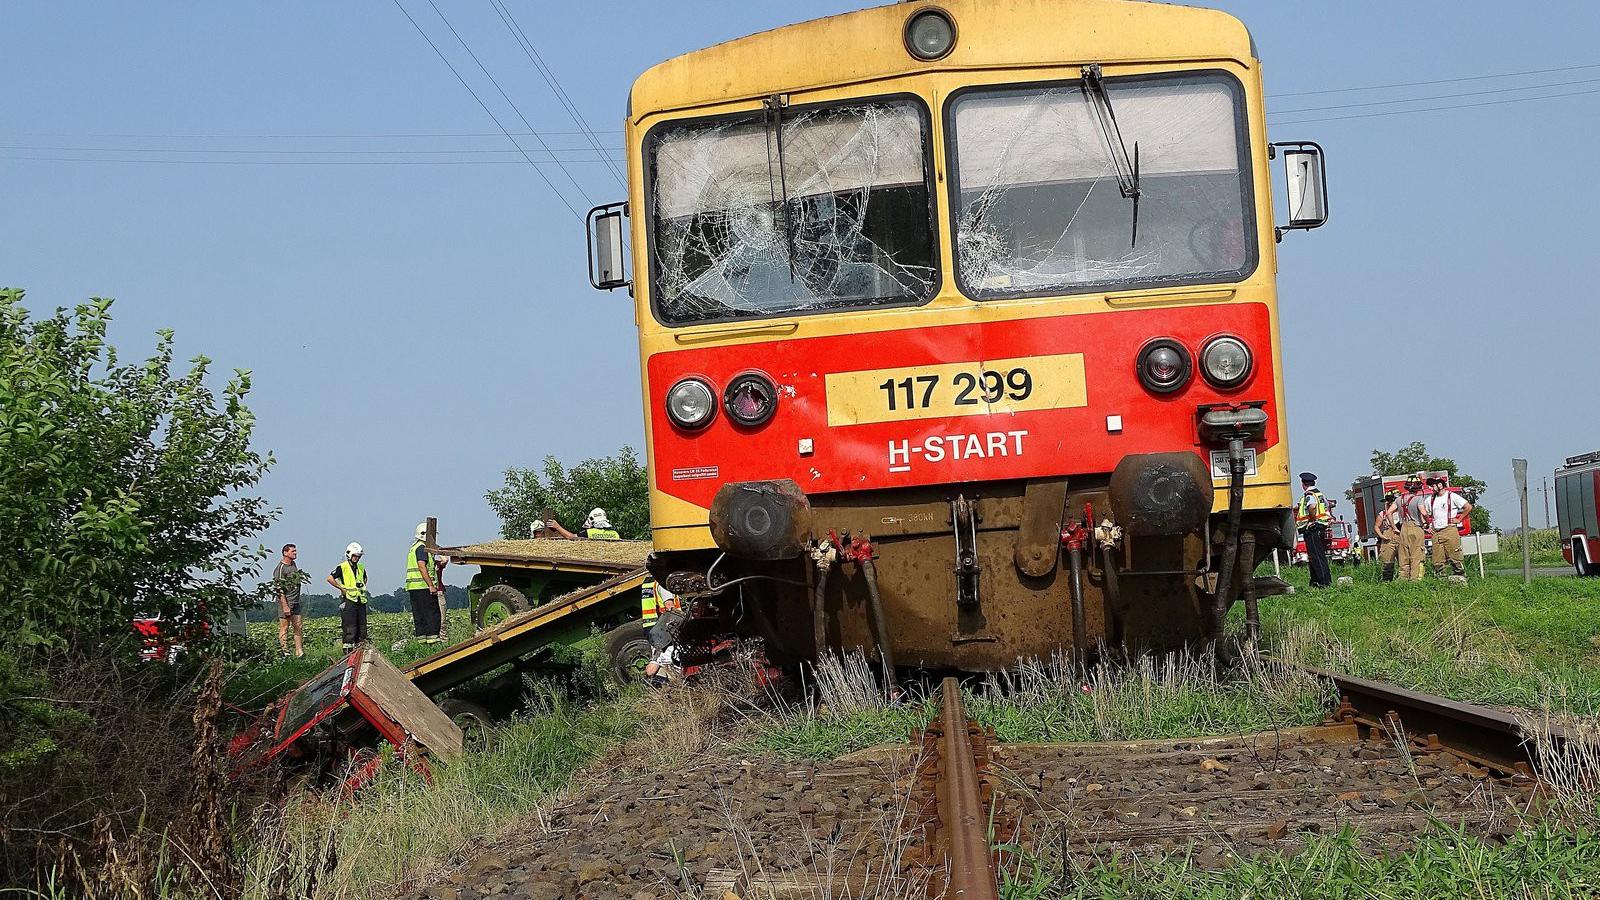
{"x":1491,"y":641}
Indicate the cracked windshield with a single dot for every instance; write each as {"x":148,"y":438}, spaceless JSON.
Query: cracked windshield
{"x":789,"y":212}
{"x":1040,"y":208}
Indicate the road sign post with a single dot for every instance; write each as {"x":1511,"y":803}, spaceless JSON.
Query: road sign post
{"x":1519,"y":471}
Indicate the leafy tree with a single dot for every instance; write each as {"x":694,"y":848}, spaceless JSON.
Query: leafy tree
{"x":121,"y":485}
{"x":1414,"y":457}
{"x":617,"y":484}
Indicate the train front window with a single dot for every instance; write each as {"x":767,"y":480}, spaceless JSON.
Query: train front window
{"x":803,"y":209}
{"x":1039,"y":209}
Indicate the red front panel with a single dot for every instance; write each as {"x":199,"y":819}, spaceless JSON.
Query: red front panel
{"x":946,"y":449}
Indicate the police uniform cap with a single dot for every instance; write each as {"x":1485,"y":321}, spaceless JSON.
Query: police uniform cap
{"x":1308,"y":478}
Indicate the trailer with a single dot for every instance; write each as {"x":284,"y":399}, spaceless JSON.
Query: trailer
{"x":516,"y":576}
{"x":1578,"y":511}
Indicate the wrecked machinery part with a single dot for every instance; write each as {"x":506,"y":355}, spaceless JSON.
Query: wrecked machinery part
{"x":964,"y":523}
{"x":1247,"y":565}
{"x":764,"y":520}
{"x":1230,"y":550}
{"x":1161,"y":493}
{"x":1073,"y":538}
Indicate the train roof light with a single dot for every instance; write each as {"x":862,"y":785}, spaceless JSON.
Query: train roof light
{"x":930,"y":34}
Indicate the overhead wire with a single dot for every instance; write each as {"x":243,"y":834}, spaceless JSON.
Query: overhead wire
{"x":514,"y":108}
{"x":486,"y":109}
{"x":1509,"y":90}
{"x":1401,"y":84}
{"x":1402,"y":112}
{"x":554,"y":83}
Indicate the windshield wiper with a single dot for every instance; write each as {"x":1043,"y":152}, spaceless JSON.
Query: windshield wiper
{"x":772,"y":115}
{"x":1094,"y":90}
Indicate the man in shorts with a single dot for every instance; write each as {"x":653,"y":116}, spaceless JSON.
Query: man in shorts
{"x":286,"y":581}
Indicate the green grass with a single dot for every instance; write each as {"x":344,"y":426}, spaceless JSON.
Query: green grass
{"x":1179,"y":695}
{"x":262,"y":674}
{"x":1544,"y":862}
{"x":400,"y":827}
{"x":1492,"y":641}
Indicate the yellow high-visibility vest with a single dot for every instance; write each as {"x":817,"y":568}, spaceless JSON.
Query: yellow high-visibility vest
{"x":602,"y":534}
{"x":414,"y":579}
{"x":649,"y":605}
{"x":353,"y":581}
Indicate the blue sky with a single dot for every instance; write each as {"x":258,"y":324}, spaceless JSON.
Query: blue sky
{"x":414,"y":329}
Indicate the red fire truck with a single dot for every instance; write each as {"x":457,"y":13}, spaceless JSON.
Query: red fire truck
{"x":1343,"y":545}
{"x":1578,"y":511}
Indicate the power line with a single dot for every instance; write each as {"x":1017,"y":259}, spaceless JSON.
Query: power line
{"x":273,"y":151}
{"x":1401,"y":84}
{"x":300,"y":162}
{"x":1510,"y":90}
{"x":486,"y":109}
{"x":554,"y":83}
{"x":1403,"y":112}
{"x":328,"y":136}
{"x":506,"y":97}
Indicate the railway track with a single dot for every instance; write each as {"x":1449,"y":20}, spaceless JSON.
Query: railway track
{"x":1389,"y":763}
{"x":951,"y":812}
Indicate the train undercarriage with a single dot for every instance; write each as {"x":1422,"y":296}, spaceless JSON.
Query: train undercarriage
{"x":975,"y":577}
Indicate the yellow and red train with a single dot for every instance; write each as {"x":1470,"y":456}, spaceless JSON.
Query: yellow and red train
{"x":958,"y":326}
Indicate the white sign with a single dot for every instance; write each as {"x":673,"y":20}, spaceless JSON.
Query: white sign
{"x":1480,"y":543}
{"x":1219,"y":463}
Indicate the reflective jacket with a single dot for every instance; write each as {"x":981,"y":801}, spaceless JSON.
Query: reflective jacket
{"x":414,"y":579}
{"x":649,"y":606}
{"x":602,"y":534}
{"x":1312,"y":510}
{"x":353,"y":581}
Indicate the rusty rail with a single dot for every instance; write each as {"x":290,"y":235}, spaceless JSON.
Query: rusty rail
{"x":1477,"y":733}
{"x":961,"y":838}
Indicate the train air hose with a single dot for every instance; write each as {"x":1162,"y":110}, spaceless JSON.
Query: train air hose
{"x":1230,"y":552}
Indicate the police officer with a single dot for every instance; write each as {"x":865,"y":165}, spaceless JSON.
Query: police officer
{"x":351,"y":580}
{"x":1388,"y":527}
{"x":1412,"y":509}
{"x":1312,"y":517}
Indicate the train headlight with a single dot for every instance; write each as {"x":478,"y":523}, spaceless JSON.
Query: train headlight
{"x":690,"y":403}
{"x":930,"y":34}
{"x":1164,"y":365}
{"x":1225,"y":361}
{"x":751,"y":399}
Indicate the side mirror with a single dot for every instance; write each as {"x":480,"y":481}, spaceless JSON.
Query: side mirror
{"x":1307,"y":180}
{"x":606,"y":259}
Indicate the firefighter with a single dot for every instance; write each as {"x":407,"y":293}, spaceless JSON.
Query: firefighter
{"x":351,"y":580}
{"x":1388,"y":528}
{"x":1411,"y":510}
{"x":597,"y":527}
{"x":1446,"y":511}
{"x":422,"y":583}
{"x":1312,"y":517}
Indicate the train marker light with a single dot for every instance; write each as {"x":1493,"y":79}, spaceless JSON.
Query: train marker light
{"x":1164,"y":365}
{"x":1225,"y":361}
{"x":751,"y":399}
{"x":690,"y":403}
{"x":930,"y":34}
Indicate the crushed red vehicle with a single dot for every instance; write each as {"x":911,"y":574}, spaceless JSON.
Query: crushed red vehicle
{"x":329,"y":727}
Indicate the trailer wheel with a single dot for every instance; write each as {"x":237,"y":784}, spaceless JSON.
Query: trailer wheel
{"x":475,"y":722}
{"x":498,"y":603}
{"x":628,"y":648}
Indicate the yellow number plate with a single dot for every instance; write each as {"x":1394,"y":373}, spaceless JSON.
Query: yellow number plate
{"x":978,"y":388}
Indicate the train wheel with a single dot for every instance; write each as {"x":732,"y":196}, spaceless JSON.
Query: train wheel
{"x":628,"y":648}
{"x":475,"y":722}
{"x":498,"y":603}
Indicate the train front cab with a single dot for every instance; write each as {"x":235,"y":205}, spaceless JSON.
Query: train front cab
{"x":984,"y":293}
